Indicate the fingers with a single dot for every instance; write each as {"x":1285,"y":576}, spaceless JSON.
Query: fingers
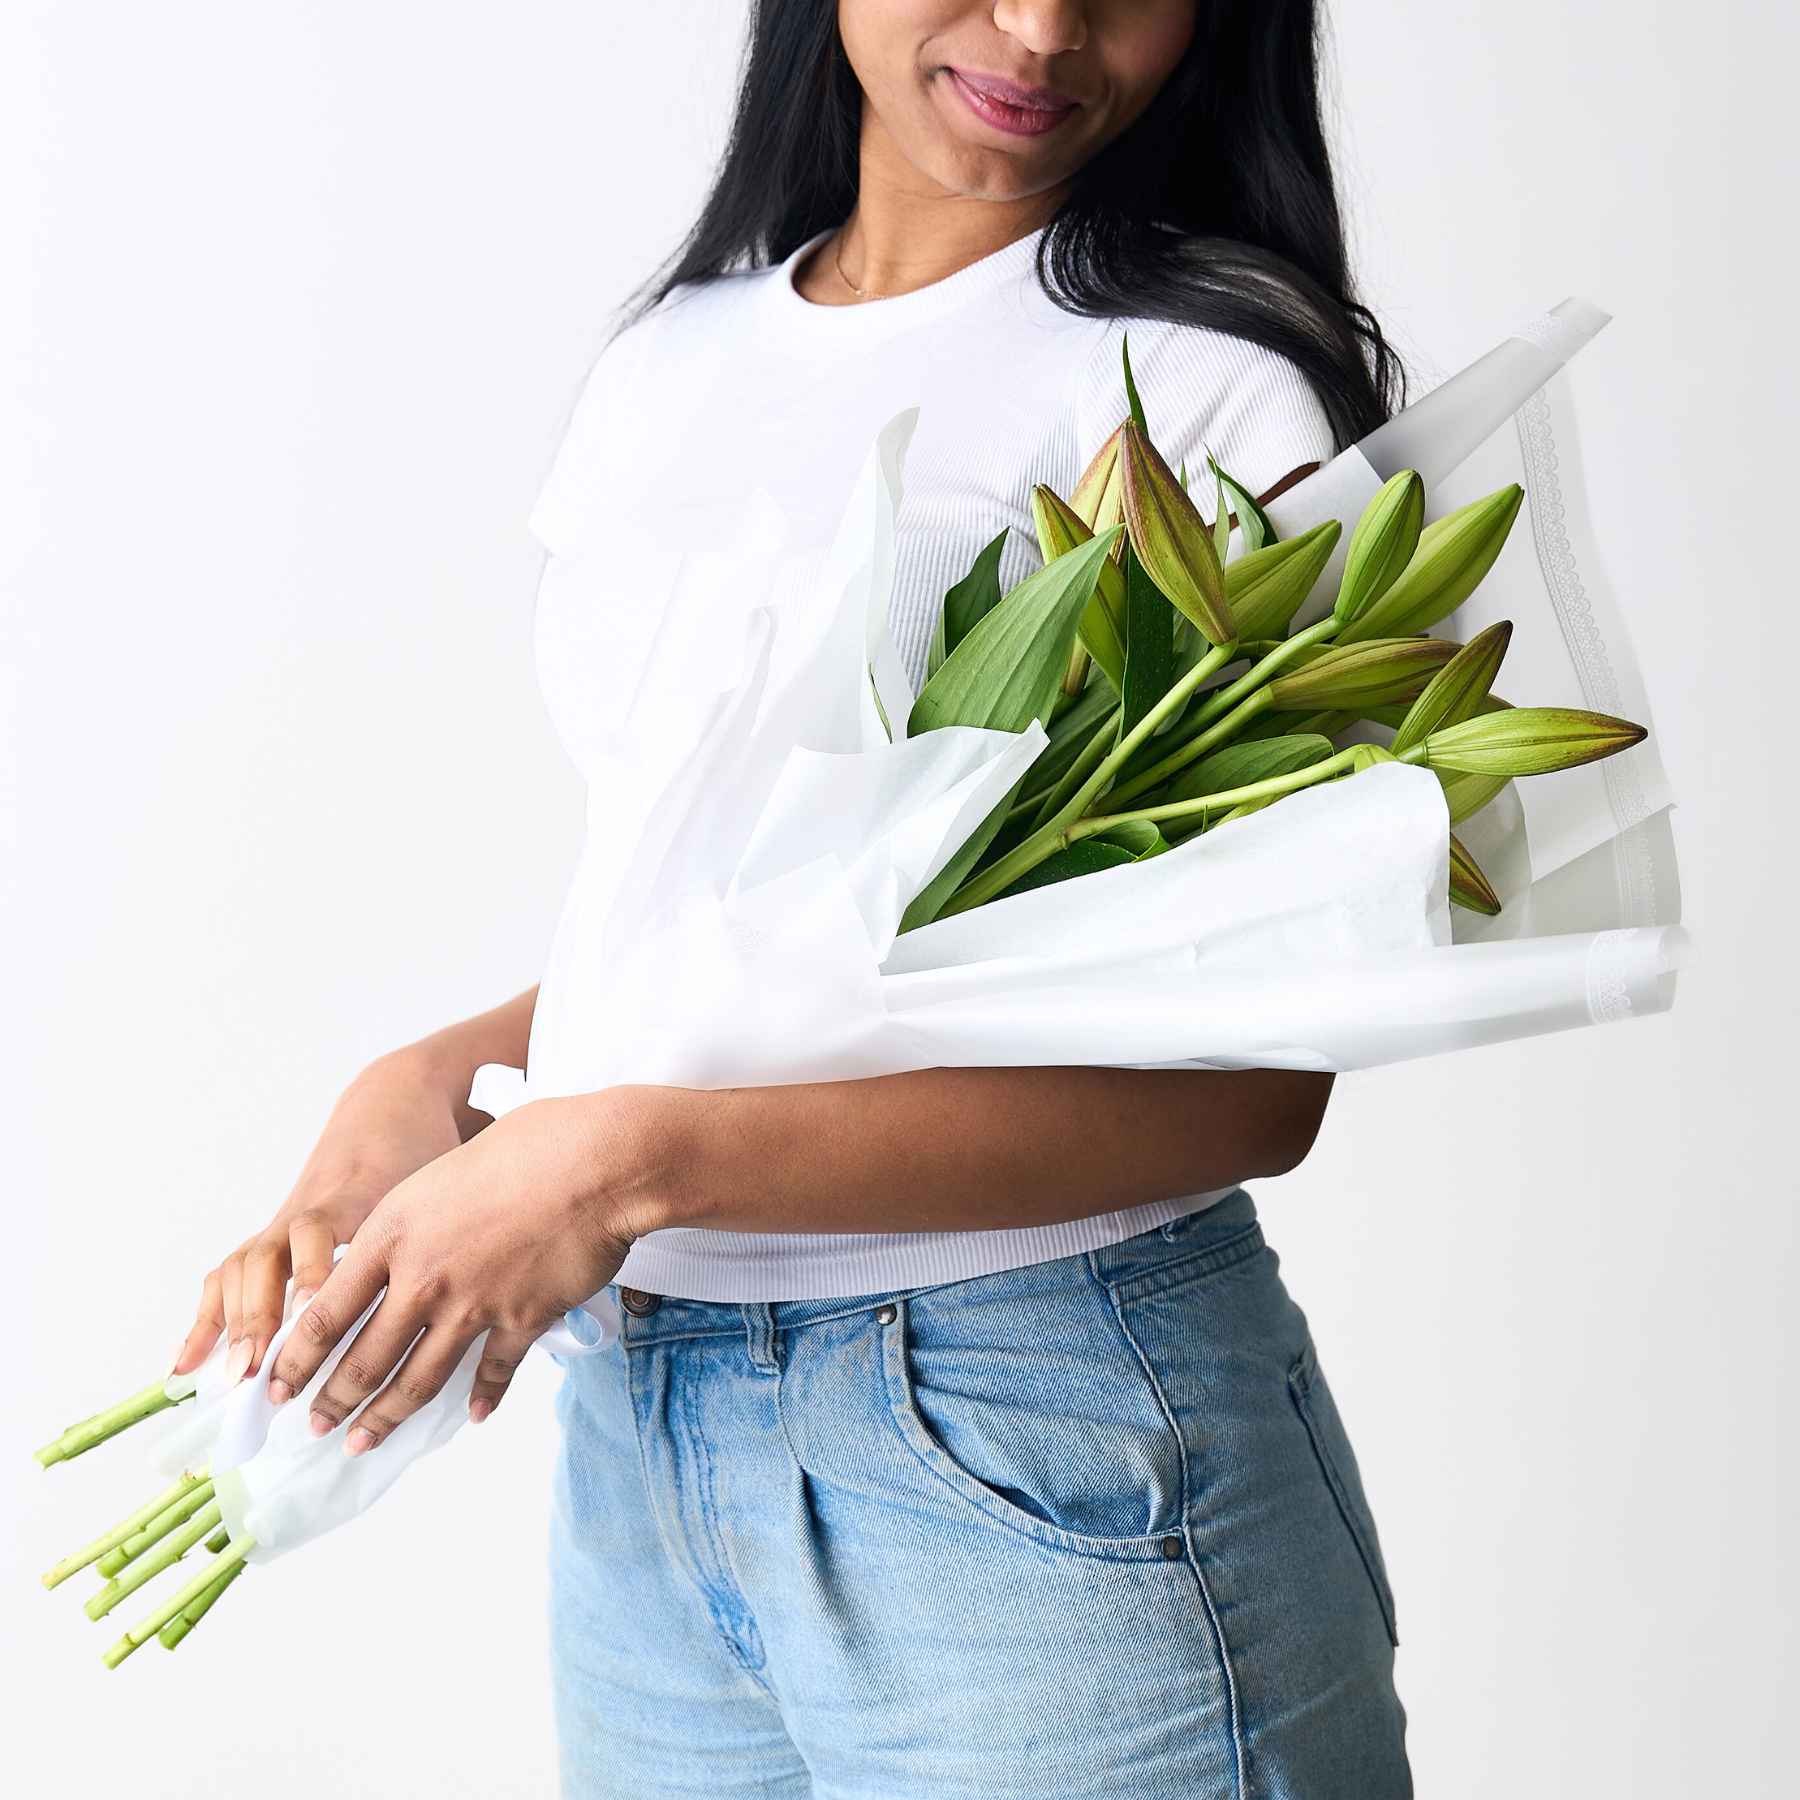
{"x":262,"y":1284}
{"x":311,"y":1242}
{"x":209,"y":1321}
{"x":231,"y":1279}
{"x":371,"y":1357}
{"x":500,"y":1359}
{"x":418,"y":1381}
{"x":339,"y":1303}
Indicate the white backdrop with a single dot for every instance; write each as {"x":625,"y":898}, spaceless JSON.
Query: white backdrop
{"x":293,"y":303}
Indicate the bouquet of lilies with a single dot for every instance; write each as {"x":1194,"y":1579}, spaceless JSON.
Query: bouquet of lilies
{"x":1193,"y":788}
{"x":1130,"y":640}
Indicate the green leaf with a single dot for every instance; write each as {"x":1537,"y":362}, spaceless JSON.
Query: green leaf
{"x":1254,"y":529}
{"x":1221,"y":527}
{"x":967,"y":604}
{"x":1008,"y":670}
{"x":1131,"y":393}
{"x":1238,"y":765}
{"x":930,"y":899}
{"x":1149,"y":644}
{"x":1134,"y":841}
{"x":1069,"y":733}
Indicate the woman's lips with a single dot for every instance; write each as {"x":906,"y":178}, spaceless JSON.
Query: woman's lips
{"x":1021,"y":111}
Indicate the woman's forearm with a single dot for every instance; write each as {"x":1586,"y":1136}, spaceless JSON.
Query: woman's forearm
{"x":448,"y":1059}
{"x":945,"y":1149}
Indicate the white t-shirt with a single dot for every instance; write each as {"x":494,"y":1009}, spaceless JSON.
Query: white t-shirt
{"x":738,"y":384}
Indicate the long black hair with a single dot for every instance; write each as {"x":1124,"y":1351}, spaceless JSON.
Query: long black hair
{"x":1217,"y":207}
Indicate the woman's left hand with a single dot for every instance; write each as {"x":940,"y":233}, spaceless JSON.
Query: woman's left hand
{"x":503,"y":1234}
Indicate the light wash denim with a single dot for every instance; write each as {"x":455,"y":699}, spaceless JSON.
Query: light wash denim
{"x":1086,"y":1528}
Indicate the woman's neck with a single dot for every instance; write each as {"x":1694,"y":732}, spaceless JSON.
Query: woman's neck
{"x":907,"y":232}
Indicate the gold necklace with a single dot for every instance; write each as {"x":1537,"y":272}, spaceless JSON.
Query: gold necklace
{"x":837,"y":256}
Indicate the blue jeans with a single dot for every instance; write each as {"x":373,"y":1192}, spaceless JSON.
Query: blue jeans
{"x":1087,"y":1528}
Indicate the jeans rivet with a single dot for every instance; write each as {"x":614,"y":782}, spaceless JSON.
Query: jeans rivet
{"x":1171,"y":1548}
{"x":885,"y":1315}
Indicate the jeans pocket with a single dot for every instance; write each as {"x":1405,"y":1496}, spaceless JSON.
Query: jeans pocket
{"x":1032,"y":1408}
{"x":1337,"y":1462}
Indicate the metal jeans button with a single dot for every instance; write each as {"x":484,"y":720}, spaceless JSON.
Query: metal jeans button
{"x":637,"y":1302}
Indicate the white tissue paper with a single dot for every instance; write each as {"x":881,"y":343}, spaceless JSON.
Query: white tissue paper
{"x":755,"y":837}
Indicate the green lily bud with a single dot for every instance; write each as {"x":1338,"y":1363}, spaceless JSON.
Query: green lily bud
{"x":1264,"y":589}
{"x":1360,"y":675}
{"x":1468,"y":886}
{"x":1238,"y":765}
{"x":1099,"y":496}
{"x":1381,"y":545}
{"x":1457,"y":690}
{"x":1061,"y":529}
{"x":1172,"y":541}
{"x":1526,"y":740}
{"x":1466,"y":795}
{"x":1454,"y":555}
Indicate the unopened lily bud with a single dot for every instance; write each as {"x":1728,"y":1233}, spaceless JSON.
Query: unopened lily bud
{"x":1265,"y":588}
{"x":1454,"y":555}
{"x":1172,"y":541}
{"x":1526,"y":740}
{"x":1099,"y":496}
{"x":1102,"y":629}
{"x":1468,"y":886}
{"x":1382,"y":544}
{"x":1457,"y":690}
{"x":1361,"y":675}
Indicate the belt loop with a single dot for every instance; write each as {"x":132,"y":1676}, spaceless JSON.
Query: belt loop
{"x":759,"y":1332}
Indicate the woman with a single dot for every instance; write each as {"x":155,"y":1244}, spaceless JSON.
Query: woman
{"x":962,"y":1439}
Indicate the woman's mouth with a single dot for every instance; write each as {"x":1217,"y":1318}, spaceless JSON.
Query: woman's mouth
{"x":1019,"y":111}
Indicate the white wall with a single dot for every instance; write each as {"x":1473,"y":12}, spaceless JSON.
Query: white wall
{"x":292,"y":305}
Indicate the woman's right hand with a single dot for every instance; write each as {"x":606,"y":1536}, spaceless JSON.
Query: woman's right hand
{"x":390,"y":1122}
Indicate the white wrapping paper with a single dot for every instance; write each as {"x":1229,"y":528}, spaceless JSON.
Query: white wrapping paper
{"x":758,"y":836}
{"x":747,"y":936}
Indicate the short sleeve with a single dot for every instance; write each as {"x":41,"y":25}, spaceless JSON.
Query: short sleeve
{"x":1206,"y":391}
{"x":565,"y":499}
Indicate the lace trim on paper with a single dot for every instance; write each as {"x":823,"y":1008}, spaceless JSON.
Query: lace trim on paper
{"x":1546,"y":331}
{"x":1586,"y":643}
{"x":1608,"y":990}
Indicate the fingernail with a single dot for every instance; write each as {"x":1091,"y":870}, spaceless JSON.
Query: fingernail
{"x":237,"y":1364}
{"x":279,"y":1392}
{"x":479,"y":1410}
{"x":319,"y":1425}
{"x":175,"y":1360}
{"x":358,"y":1441}
{"x":302,"y":1300}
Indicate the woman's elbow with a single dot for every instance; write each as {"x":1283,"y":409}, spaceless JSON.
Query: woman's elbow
{"x":1296,"y":1109}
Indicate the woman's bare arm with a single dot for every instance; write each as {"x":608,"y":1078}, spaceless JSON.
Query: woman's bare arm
{"x":404,"y":1110}
{"x":946,"y":1149}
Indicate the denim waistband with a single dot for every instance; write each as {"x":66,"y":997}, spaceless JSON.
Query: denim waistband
{"x":1225,"y":1221}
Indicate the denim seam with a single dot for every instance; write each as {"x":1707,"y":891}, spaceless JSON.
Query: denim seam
{"x":904,"y":1422}
{"x":1193,"y":1558}
{"x":866,"y":1303}
{"x":1299,"y":1381}
{"x":715,"y":1544}
{"x":1178,"y":1271}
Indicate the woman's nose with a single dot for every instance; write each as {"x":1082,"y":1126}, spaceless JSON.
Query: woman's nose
{"x":1044,"y":27}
